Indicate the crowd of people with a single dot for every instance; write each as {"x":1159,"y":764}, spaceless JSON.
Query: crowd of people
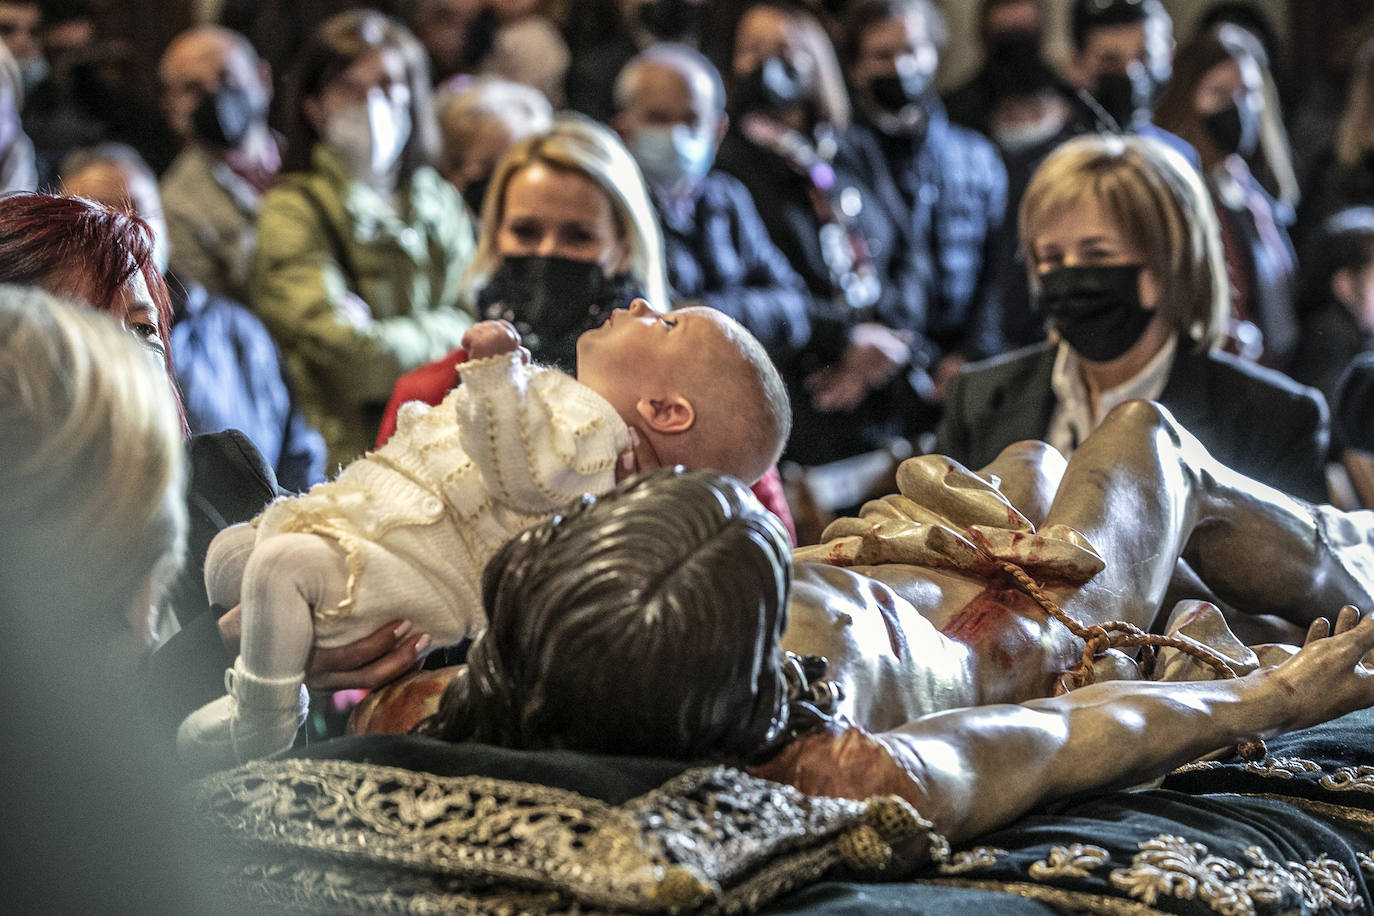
{"x":794,"y":165}
{"x":756,"y":234}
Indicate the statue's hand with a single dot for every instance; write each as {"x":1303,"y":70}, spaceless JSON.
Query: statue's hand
{"x":1327,"y":677}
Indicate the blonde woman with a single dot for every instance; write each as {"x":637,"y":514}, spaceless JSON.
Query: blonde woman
{"x":1126,"y":262}
{"x":92,"y":520}
{"x":93,"y":465}
{"x":568,"y":233}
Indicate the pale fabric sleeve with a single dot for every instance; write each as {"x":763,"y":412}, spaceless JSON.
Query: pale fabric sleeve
{"x":539,"y":438}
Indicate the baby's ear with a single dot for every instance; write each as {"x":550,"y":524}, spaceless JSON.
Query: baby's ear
{"x":668,"y":414}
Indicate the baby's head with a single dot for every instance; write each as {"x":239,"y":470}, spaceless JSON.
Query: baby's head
{"x":694,"y":382}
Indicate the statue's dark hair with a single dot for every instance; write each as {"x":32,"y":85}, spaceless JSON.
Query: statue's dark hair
{"x":644,"y":622}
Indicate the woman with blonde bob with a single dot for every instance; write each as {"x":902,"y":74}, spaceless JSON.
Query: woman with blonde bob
{"x":1126,"y":263}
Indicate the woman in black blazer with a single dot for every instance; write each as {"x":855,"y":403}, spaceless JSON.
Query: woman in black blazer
{"x":1127,"y":265}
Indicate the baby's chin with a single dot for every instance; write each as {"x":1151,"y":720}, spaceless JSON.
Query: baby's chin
{"x":585,"y":347}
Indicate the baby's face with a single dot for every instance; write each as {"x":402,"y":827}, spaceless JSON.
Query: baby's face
{"x":639,"y":353}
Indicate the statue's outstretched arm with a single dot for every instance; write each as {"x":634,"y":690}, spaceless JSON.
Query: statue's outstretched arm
{"x":980,"y":768}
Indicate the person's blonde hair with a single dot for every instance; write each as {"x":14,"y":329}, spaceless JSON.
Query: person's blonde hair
{"x":92,"y":510}
{"x":1355,"y":136}
{"x":578,"y":144}
{"x":1158,"y":202}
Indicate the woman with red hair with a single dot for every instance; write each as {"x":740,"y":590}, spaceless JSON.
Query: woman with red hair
{"x":75,"y":248}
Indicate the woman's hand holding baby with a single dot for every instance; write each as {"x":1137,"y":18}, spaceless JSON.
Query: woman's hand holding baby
{"x":493,"y":338}
{"x":640,"y":456}
{"x":390,"y":651}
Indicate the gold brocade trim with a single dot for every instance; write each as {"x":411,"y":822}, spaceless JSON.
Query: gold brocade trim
{"x":1074,"y":861}
{"x":1350,"y":779}
{"x":1066,"y":900}
{"x":339,"y":836}
{"x":1283,"y":767}
{"x":1197,"y":766}
{"x":971,"y":859}
{"x":1170,"y":866}
{"x":1341,"y":779}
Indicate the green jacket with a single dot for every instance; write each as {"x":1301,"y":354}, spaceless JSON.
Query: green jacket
{"x":355,"y":308}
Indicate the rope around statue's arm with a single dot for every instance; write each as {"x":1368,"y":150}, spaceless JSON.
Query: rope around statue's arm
{"x":1118,"y":634}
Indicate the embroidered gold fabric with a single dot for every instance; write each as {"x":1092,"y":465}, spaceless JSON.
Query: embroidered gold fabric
{"x":1076,"y":860}
{"x":338,"y":836}
{"x":1170,"y":866}
{"x":972,"y":860}
{"x":1341,"y":779}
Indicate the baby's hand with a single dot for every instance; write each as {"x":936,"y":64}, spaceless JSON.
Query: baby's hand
{"x":492,"y":338}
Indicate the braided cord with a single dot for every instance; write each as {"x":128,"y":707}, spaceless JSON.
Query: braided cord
{"x":1119,"y":634}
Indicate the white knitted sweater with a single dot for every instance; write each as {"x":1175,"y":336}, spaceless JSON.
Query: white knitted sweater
{"x":419,"y":518}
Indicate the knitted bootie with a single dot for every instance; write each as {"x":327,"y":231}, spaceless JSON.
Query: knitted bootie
{"x":257,"y":717}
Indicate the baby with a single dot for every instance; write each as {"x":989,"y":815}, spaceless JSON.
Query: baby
{"x":405,"y":531}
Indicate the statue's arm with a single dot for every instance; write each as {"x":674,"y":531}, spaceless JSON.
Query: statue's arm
{"x":976,"y":769}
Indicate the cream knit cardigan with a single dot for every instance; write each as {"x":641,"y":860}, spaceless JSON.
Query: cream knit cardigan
{"x":419,"y":518}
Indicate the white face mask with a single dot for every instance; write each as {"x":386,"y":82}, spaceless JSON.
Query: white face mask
{"x":674,"y":156}
{"x":32,"y":71}
{"x":1016,"y":138}
{"x":369,"y":137}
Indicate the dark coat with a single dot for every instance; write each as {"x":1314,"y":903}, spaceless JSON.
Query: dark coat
{"x":946,"y":193}
{"x":231,"y":376}
{"x":1252,"y":419}
{"x":722,"y":256}
{"x":783,"y":200}
{"x":1331,"y":340}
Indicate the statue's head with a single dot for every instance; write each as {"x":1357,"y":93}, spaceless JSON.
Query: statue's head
{"x":643,"y":622}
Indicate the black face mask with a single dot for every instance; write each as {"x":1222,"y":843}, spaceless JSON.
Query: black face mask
{"x":551,"y":301}
{"x":1096,"y":309}
{"x":671,"y":20}
{"x":1124,"y":97}
{"x":773,"y":86}
{"x":1234,"y":129}
{"x":475,"y":191}
{"x":895,"y":91}
{"x":223,"y":117}
{"x":481,"y":36}
{"x":1015,"y":67}
{"x":1015,"y":42}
